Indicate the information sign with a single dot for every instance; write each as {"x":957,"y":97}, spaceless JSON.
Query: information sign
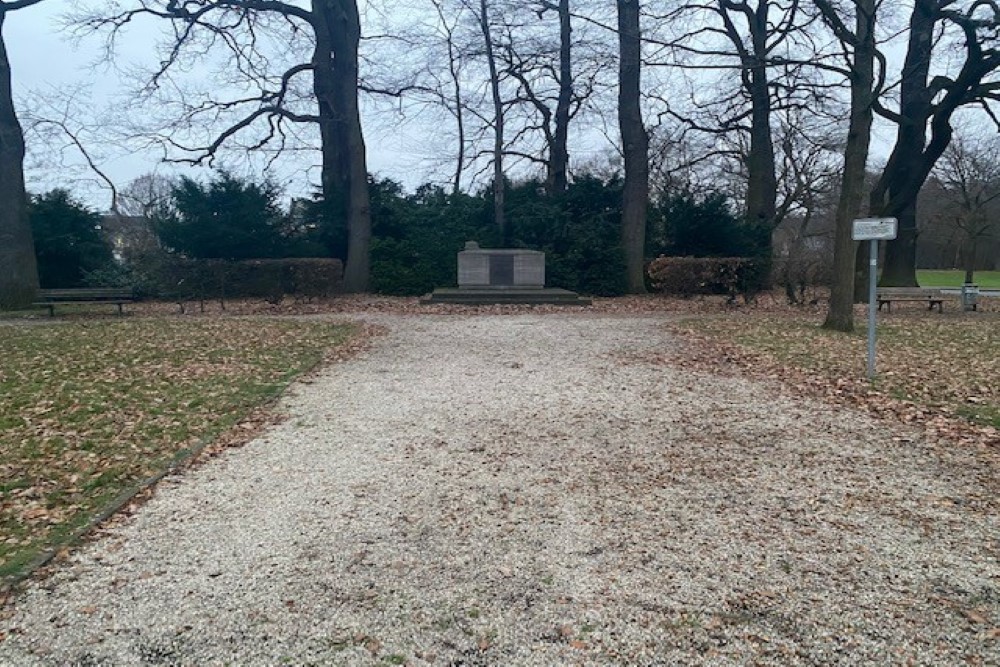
{"x":874,"y":229}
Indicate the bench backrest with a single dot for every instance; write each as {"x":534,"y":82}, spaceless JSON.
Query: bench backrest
{"x":908,"y":291}
{"x":86,"y":293}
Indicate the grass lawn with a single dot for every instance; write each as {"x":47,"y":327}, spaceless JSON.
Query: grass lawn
{"x":948,"y":364}
{"x":90,"y":408}
{"x":985,"y":279}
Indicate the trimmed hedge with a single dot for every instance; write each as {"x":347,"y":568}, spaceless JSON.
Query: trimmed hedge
{"x":271,"y":279}
{"x":688,"y":276}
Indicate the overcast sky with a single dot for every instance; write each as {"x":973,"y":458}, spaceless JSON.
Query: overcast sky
{"x":45,"y":59}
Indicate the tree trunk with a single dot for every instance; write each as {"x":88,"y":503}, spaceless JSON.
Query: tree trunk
{"x":840,"y":316}
{"x":344,"y":173}
{"x":896,"y":192}
{"x":635,"y":146}
{"x":762,"y":183}
{"x":556,"y":180}
{"x":456,"y":186}
{"x":900,"y":266}
{"x":499,"y":186}
{"x":18,"y":268}
{"x":454,"y":71}
{"x":971,"y":254}
{"x":762,"y":189}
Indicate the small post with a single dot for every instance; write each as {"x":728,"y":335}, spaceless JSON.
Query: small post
{"x":872,"y":299}
{"x":970,"y":295}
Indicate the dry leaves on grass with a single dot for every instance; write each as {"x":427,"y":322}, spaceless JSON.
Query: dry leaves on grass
{"x":90,"y":408}
{"x":641,"y":304}
{"x":936,"y":372}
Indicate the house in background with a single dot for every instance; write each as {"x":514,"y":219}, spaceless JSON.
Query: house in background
{"x":130,"y":236}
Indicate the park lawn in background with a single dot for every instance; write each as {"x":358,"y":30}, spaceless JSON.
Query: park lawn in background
{"x":944,"y":364}
{"x":985,"y":279}
{"x":88,"y":409}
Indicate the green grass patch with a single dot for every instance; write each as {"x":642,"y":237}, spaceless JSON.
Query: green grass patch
{"x":985,"y":279}
{"x":90,"y":408}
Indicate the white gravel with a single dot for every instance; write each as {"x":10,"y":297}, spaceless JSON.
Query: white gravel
{"x":510,"y":490}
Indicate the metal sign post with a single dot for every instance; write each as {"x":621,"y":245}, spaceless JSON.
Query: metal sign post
{"x":872,"y":307}
{"x":873,"y":230}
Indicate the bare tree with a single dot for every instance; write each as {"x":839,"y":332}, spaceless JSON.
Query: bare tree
{"x":56,"y":124}
{"x":968,"y":177}
{"x":556,"y":180}
{"x":18,"y":267}
{"x":927,"y":102}
{"x":279,"y":100}
{"x":454,"y":99}
{"x":806,"y":174}
{"x":553,"y":123}
{"x":635,"y":145}
{"x":860,"y":53}
{"x":754,"y":47}
{"x":751,"y":43}
{"x":144,"y":195}
{"x":499,"y":180}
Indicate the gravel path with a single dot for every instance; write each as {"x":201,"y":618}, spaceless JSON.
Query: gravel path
{"x":524,"y":490}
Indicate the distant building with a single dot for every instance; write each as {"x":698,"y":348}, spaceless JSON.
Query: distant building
{"x":130,"y":236}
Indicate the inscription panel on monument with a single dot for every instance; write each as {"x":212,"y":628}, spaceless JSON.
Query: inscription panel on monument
{"x":473,"y":269}
{"x":529,"y":269}
{"x":502,"y":270}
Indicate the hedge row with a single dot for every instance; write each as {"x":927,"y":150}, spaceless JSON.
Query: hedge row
{"x":689,"y":276}
{"x":271,"y":279}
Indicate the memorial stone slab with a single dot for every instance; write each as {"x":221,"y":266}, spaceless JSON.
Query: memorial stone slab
{"x":502,"y":276}
{"x":500,"y":268}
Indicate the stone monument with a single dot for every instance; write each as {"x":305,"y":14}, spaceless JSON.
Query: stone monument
{"x":502,"y":275}
{"x":500,"y":268}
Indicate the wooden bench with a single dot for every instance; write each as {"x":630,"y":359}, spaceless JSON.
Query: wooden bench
{"x":933,"y":297}
{"x":50,"y":298}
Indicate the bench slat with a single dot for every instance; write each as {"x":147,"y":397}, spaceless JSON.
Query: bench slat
{"x":86,"y":294}
{"x":908,"y":291}
{"x":77,"y":303}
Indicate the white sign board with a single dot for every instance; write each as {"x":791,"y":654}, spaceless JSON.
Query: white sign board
{"x":874,"y":229}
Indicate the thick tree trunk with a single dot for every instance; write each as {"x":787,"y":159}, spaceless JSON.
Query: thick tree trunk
{"x":896,"y":192}
{"x":900,"y":266}
{"x":762,"y":188}
{"x":762,"y":182}
{"x":344,"y":173}
{"x":499,"y":186}
{"x":635,"y":146}
{"x":556,"y":180}
{"x":840,"y":316}
{"x":18,"y":268}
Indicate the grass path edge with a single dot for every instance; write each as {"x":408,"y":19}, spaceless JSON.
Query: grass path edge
{"x":358,"y":341}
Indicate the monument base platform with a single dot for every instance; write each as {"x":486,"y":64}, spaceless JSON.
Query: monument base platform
{"x":470,"y":296}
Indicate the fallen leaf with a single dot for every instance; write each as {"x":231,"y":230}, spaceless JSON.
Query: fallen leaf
{"x":975,"y":616}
